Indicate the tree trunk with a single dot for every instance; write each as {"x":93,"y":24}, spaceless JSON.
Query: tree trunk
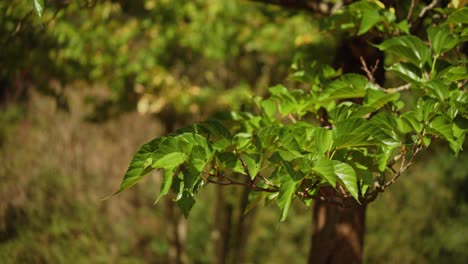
{"x":243,"y":229}
{"x":338,"y":233}
{"x":222,"y":226}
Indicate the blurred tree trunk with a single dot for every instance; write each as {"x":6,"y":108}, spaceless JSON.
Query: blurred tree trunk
{"x":338,"y":233}
{"x":176,"y":234}
{"x":176,"y":223}
{"x":243,"y":228}
{"x":222,"y":226}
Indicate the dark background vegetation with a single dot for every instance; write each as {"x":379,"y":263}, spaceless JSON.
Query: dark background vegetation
{"x":85,"y":85}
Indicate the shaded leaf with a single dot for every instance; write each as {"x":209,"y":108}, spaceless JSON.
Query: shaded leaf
{"x":459,"y":16}
{"x":285,"y":197}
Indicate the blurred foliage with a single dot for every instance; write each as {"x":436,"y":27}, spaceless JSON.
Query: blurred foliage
{"x":173,"y":54}
{"x":50,"y":214}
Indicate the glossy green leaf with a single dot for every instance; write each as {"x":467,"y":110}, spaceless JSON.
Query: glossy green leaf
{"x":409,"y":47}
{"x":140,"y":164}
{"x":347,"y":175}
{"x":437,"y":89}
{"x":355,"y":132}
{"x":426,"y":108}
{"x":324,"y":167}
{"x":347,"y":86}
{"x":441,"y":39}
{"x":408,"y":123}
{"x":407,"y":72}
{"x":376,"y":99}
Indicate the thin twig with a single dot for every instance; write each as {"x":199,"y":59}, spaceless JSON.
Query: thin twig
{"x":369,"y":72}
{"x":410,"y":12}
{"x":267,"y":182}
{"x":398,"y":89}
{"x":291,"y":117}
{"x":427,"y":8}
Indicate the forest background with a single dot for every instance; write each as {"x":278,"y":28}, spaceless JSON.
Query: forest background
{"x":88,"y":82}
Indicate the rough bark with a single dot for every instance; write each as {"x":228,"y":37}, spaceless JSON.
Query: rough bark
{"x":338,"y":234}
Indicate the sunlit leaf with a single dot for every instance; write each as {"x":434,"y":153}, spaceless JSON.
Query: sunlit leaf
{"x":38,"y":6}
{"x":324,"y":167}
{"x":409,"y":47}
{"x":140,"y":164}
{"x":407,"y":72}
{"x":347,"y":175}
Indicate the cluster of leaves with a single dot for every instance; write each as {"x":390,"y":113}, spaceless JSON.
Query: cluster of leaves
{"x":345,"y":131}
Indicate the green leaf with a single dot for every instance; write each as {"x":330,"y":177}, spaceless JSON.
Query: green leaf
{"x":166,"y":184}
{"x":185,"y":203}
{"x":454,"y":73}
{"x":407,"y":72}
{"x":253,"y":163}
{"x":229,"y":160}
{"x":376,"y":99}
{"x":170,"y":161}
{"x":442,"y":126}
{"x":441,"y":39}
{"x":355,"y":132}
{"x":403,"y":26}
{"x":437,"y":89}
{"x":323,"y":139}
{"x":347,"y":86}
{"x":347,"y":176}
{"x":408,"y":123}
{"x":269,"y":108}
{"x":426,"y":108}
{"x":324,"y":167}
{"x":409,"y":47}
{"x":370,"y":17}
{"x":285,"y":197}
{"x":459,"y":16}
{"x":140,"y":164}
{"x":38,"y":6}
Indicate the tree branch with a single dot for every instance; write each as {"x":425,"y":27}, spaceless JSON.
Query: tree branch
{"x":428,"y":7}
